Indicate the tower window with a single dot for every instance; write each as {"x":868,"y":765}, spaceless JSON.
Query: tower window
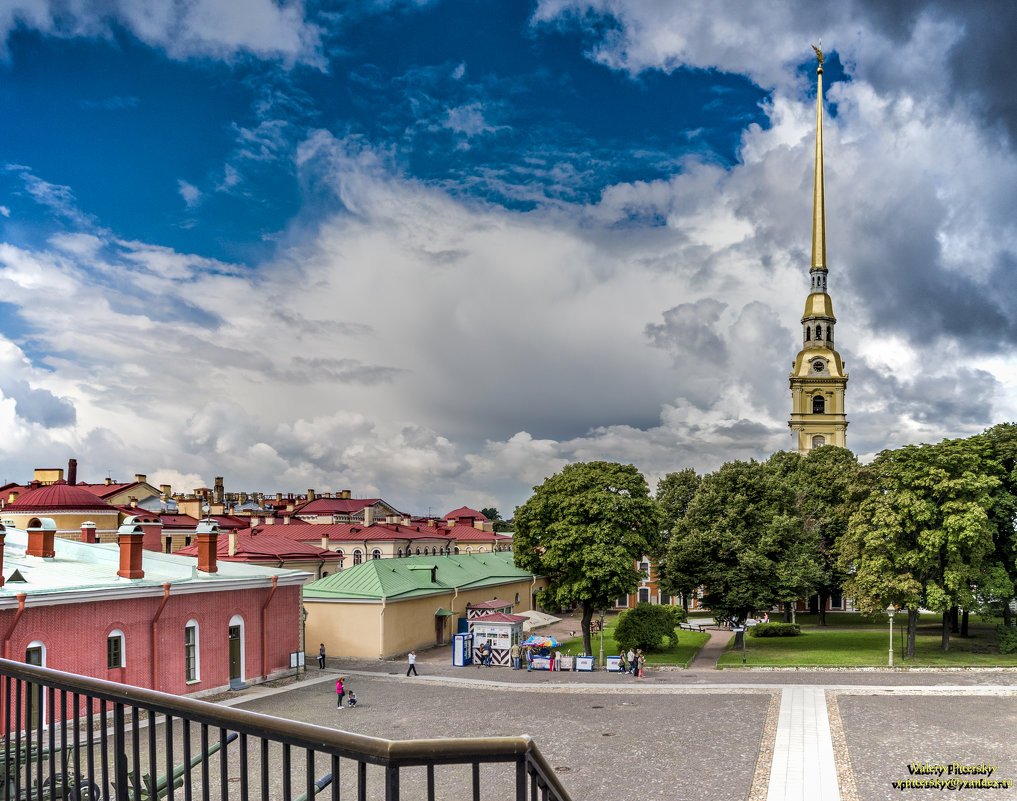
{"x":818,"y":441}
{"x":819,"y":332}
{"x":808,"y":333}
{"x":818,"y":405}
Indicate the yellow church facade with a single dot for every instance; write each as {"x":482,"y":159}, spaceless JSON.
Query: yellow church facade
{"x":818,"y":378}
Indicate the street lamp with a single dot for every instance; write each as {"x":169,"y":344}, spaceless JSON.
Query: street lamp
{"x":890,"y":610}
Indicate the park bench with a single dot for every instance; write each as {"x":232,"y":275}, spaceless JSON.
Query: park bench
{"x":691,"y":627}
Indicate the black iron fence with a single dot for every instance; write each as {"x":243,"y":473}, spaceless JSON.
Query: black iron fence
{"x":81,"y":739}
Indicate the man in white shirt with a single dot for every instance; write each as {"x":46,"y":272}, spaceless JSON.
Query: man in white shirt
{"x":413,"y":663}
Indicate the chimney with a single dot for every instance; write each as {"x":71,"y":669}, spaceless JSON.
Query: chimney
{"x":406,"y":521}
{"x":72,"y":471}
{"x":278,"y":496}
{"x":152,"y":529}
{"x":233,"y":542}
{"x":12,"y":497}
{"x":430,"y":522}
{"x":108,"y":481}
{"x":131,"y":539}
{"x":368,"y":516}
{"x":165,"y":489}
{"x":286,"y":520}
{"x":141,"y":478}
{"x":88,"y":532}
{"x":324,"y":543}
{"x":132,"y":501}
{"x":344,"y":495}
{"x":310,"y":495}
{"x":208,"y":542}
{"x":40,"y":537}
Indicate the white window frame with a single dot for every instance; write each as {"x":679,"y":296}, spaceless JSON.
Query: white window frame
{"x":117,"y":634}
{"x":193,"y":624}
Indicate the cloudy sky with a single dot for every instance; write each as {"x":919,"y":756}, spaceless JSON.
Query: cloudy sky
{"x":435,"y":250}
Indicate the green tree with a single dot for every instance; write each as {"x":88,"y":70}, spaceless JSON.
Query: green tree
{"x":827,"y":493}
{"x":921,"y":537}
{"x":997,"y":585}
{"x":494,"y":516}
{"x":584,"y":528}
{"x":674,"y":494}
{"x":741,"y":539}
{"x":647,"y":625}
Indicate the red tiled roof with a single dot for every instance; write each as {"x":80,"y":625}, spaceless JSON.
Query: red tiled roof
{"x":328,"y":506}
{"x":107,"y":490}
{"x":353,"y":532}
{"x":498,"y":617}
{"x":471,"y":534}
{"x":262,"y":547}
{"x":56,"y":497}
{"x":464,"y":511}
{"x":493,"y":604}
{"x":178,"y":521}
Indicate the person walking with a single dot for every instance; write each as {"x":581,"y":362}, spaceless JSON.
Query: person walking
{"x":623,"y":661}
{"x":529,"y":659}
{"x":640,"y":661}
{"x":632,"y":661}
{"x":514,"y":653}
{"x":321,"y":657}
{"x":340,"y":691}
{"x":412,"y":657}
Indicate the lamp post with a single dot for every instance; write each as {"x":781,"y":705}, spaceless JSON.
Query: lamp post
{"x":601,"y":639}
{"x":890,"y":610}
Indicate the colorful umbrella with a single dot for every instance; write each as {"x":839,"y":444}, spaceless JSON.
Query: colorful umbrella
{"x":541,"y":641}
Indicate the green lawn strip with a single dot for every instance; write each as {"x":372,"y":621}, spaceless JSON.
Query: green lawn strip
{"x":864,"y":647}
{"x":681,"y":654}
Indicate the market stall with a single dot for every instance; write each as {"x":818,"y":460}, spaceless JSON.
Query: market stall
{"x":543,"y":651}
{"x":498,"y":629}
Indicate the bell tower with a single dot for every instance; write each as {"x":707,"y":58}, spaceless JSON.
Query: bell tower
{"x":818,"y":378}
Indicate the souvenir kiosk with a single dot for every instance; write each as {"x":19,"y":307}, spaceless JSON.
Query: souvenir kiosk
{"x":493,"y":621}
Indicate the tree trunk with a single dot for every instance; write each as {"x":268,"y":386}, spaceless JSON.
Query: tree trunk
{"x":587,"y":618}
{"x":955,"y":620}
{"x":823,"y":598}
{"x":787,"y":614}
{"x":947,"y":620}
{"x":912,"y":632}
{"x":964,"y":624}
{"x":1007,"y":615}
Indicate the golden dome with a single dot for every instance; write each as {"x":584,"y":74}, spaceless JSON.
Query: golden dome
{"x":818,"y":304}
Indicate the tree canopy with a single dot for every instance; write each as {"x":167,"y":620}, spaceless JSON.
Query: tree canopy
{"x":584,"y":528}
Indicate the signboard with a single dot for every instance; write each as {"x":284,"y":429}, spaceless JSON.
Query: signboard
{"x":541,"y":663}
{"x":584,"y":663}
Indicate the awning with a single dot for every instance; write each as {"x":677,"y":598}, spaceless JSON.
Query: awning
{"x":443,"y":612}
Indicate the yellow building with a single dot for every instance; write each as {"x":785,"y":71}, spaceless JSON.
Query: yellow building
{"x":818,"y":378}
{"x":385,"y":607}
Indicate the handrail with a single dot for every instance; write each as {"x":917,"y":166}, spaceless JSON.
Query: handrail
{"x":374,"y":750}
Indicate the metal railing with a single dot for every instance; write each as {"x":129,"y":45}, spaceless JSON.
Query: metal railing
{"x":72,"y":737}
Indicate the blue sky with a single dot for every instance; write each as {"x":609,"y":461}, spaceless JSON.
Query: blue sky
{"x":435,"y":250}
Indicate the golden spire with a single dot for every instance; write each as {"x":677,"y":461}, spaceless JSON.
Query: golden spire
{"x":818,"y":192}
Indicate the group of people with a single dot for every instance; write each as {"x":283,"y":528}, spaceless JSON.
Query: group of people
{"x":632,"y":662}
{"x":340,"y":689}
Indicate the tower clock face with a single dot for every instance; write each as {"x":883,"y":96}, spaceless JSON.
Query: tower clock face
{"x":817,"y":367}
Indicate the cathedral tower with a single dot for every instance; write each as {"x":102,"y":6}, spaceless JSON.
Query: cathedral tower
{"x":818,"y":378}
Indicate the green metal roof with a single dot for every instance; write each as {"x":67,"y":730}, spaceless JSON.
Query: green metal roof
{"x":410,"y":577}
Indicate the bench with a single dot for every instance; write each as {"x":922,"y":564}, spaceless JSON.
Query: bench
{"x":691,"y":627}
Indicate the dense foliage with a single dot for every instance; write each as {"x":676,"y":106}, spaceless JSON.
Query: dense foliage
{"x":647,"y":625}
{"x":775,"y":630}
{"x":584,"y":528}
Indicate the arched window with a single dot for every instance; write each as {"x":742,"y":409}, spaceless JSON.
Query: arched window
{"x":358,"y":557}
{"x":115,"y":655}
{"x":342,"y":558}
{"x":819,"y":332}
{"x":469,"y":549}
{"x":376,"y":554}
{"x":482,"y":549}
{"x":400,"y":553}
{"x":418,"y":551}
{"x":818,"y":405}
{"x":808,"y":333}
{"x":457,"y":550}
{"x":818,"y":441}
{"x":192,"y":660}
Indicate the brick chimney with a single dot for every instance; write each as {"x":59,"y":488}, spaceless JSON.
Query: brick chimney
{"x":153,"y":534}
{"x":72,"y":471}
{"x":88,"y":532}
{"x":368,"y":516}
{"x":233,"y":542}
{"x":141,"y":478}
{"x":131,"y":539}
{"x":208,"y":541}
{"x":310,"y":495}
{"x":40,"y":537}
{"x":324,"y":542}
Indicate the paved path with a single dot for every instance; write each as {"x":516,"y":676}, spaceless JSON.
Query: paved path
{"x":803,"y":764}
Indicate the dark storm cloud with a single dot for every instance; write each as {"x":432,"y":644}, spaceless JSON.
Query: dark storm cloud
{"x":981,"y":62}
{"x":40,"y":405}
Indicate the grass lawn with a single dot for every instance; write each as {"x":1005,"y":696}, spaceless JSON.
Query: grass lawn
{"x":868,"y":645}
{"x":679,"y":653}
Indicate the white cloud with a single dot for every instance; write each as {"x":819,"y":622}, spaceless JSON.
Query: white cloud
{"x":220,"y":29}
